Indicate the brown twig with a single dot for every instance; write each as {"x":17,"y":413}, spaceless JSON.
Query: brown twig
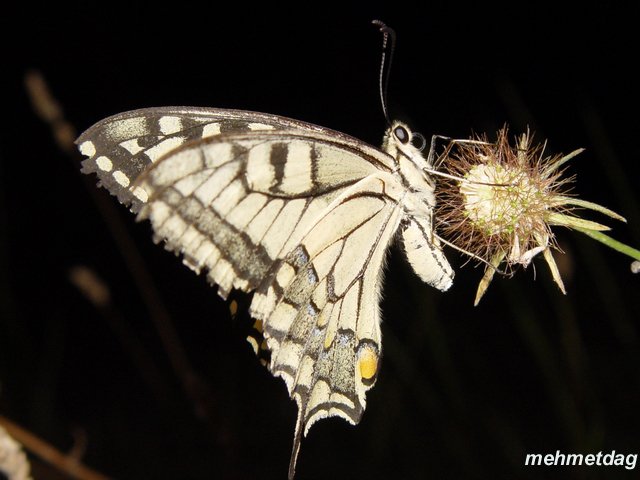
{"x":96,"y":291}
{"x":65,"y":463}
{"x":50,"y":111}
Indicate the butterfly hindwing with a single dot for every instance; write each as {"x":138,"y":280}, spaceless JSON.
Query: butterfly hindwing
{"x":330,"y":279}
{"x":321,"y":318}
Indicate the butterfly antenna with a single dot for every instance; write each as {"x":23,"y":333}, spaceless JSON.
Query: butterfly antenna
{"x":385,"y":64}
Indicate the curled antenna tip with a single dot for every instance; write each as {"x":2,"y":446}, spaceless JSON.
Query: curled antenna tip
{"x":379,"y":23}
{"x":382,"y":25}
{"x":384,"y":29}
{"x":385,"y":64}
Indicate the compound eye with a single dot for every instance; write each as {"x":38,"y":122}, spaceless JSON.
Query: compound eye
{"x":419,"y":141}
{"x":401,"y":134}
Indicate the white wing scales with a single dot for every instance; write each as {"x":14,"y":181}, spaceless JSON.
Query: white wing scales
{"x":299,"y":214}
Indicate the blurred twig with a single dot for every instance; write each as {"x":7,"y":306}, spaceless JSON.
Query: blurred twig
{"x":541,"y":348}
{"x":611,"y":167}
{"x":606,"y":287}
{"x":97,"y":292}
{"x":50,"y":111}
{"x":65,"y":463}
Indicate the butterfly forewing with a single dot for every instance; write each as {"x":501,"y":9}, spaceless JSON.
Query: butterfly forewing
{"x":121,"y":147}
{"x":236,"y":203}
{"x":299,"y":214}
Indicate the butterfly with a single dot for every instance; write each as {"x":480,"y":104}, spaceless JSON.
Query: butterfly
{"x":299,"y":215}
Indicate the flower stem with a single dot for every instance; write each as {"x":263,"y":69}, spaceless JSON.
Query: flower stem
{"x":610,"y":242}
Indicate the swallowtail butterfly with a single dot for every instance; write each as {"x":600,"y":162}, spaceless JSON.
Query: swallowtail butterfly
{"x":300,"y":215}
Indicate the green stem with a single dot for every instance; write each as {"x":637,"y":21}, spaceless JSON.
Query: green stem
{"x":610,"y":242}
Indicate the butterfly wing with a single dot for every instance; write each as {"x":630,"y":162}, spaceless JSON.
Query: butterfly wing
{"x":299,"y":214}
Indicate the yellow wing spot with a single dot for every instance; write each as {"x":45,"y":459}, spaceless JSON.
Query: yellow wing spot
{"x":328,"y":339}
{"x":323,"y":319}
{"x":258,"y":326}
{"x":254,"y":344}
{"x":253,"y":341}
{"x":233,"y":308}
{"x":368,"y":363}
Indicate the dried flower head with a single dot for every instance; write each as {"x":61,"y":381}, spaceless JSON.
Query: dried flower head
{"x":499,"y":202}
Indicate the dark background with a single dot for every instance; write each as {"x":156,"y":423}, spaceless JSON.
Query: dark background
{"x":464,"y":392}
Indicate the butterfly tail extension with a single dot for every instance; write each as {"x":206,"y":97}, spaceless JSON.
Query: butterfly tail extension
{"x":297,"y":441}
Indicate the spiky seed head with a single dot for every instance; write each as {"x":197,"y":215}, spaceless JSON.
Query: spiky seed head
{"x":504,"y":202}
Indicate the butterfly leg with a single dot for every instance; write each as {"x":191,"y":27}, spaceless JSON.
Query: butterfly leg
{"x":431,"y":157}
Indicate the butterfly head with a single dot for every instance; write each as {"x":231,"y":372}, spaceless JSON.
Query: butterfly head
{"x":406,"y":146}
{"x":401,"y":141}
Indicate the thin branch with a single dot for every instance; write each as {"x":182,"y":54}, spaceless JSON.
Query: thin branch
{"x":65,"y":463}
{"x":47,"y":108}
